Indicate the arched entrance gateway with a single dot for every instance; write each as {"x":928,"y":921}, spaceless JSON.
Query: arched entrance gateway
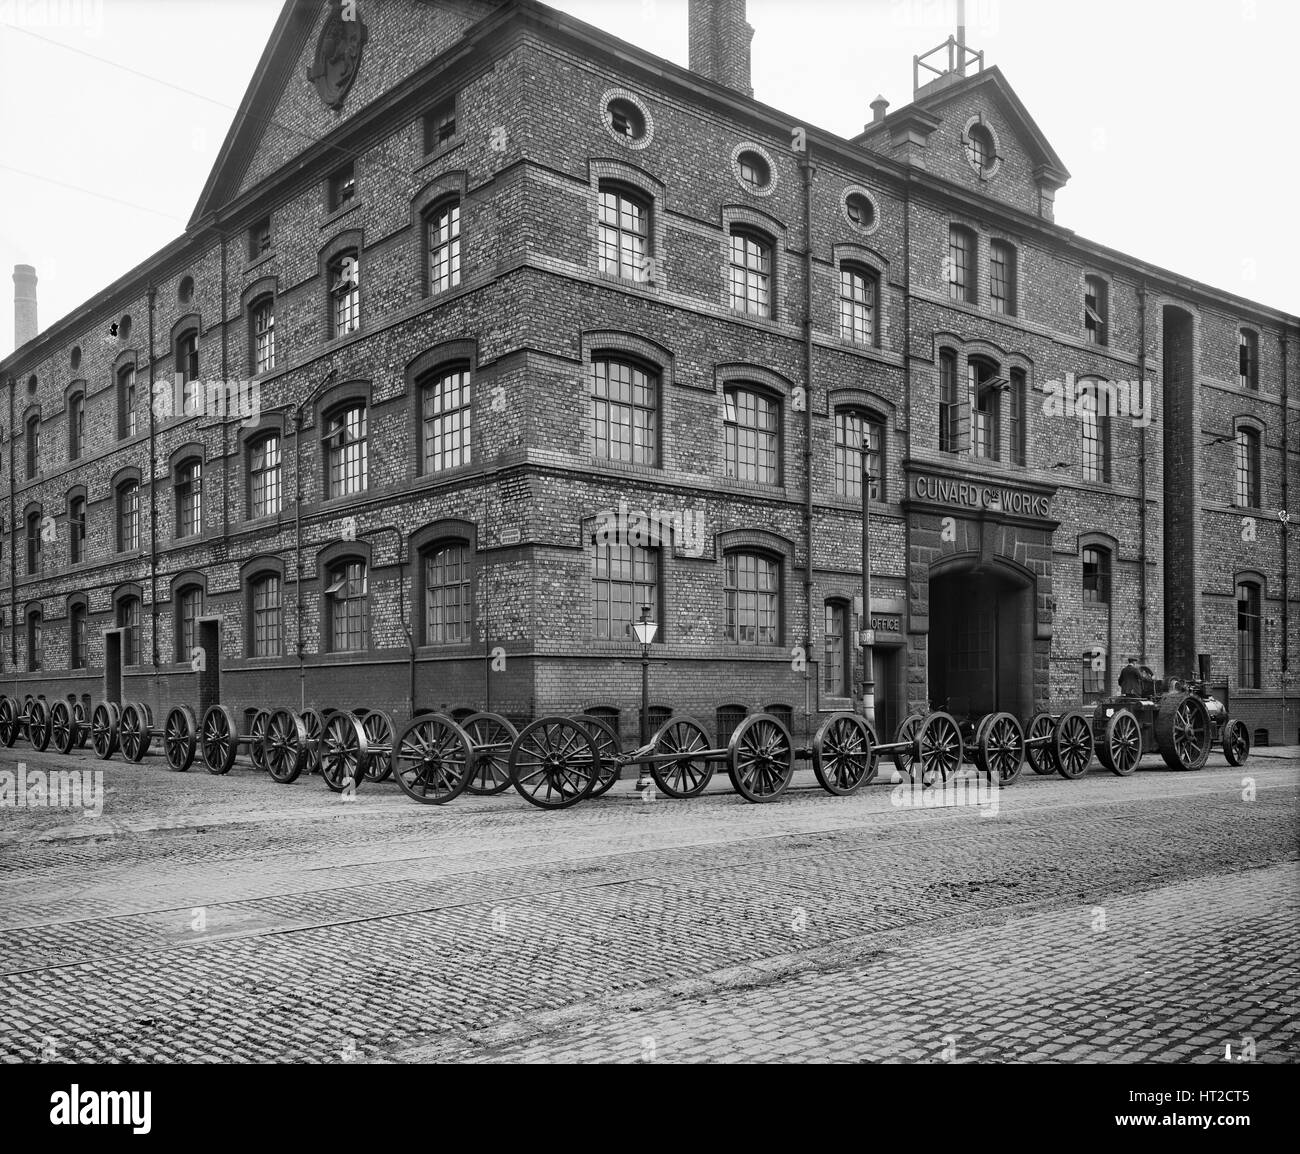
{"x":980,"y":600}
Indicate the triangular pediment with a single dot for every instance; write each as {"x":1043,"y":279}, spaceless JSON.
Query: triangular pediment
{"x":324,"y":62}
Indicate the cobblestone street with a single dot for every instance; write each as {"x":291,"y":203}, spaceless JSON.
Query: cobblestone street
{"x":201,"y":918}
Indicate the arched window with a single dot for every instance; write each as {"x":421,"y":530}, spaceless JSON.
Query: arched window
{"x":448,"y":607}
{"x":34,"y":542}
{"x":859,"y":287}
{"x":1248,"y":635}
{"x":836,"y":663}
{"x":751,"y":272}
{"x":1093,"y":407}
{"x":753,"y":599}
{"x":346,"y":452}
{"x":189,"y":497}
{"x":442,"y":226}
{"x":347,"y":604}
{"x":623,"y":232}
{"x":76,"y":425}
{"x":78,"y":639}
{"x":752,"y":431}
{"x":986,"y":388}
{"x":345,"y":292}
{"x":446,"y":405}
{"x":1096,"y":575}
{"x":851,"y":427}
{"x":264,"y":481}
{"x":264,"y":616}
{"x":33,"y":445}
{"x":128,"y":620}
{"x":76,"y":530}
{"x":726,"y":719}
{"x":961,"y":264}
{"x":1248,"y":467}
{"x":128,"y":517}
{"x":261,"y":318}
{"x":35,"y":641}
{"x":189,"y":608}
{"x":623,"y":578}
{"x":624,"y":412}
{"x":126,"y":401}
{"x":187,"y":368}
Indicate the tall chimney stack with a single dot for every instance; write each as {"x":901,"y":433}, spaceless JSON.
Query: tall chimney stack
{"x":25,"y":327}
{"x":719,"y":42}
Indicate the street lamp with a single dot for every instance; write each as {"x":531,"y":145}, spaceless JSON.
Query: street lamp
{"x":645,"y":631}
{"x":868,"y":665}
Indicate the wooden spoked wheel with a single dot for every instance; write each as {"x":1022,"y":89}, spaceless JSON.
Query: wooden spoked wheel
{"x":180,"y":738}
{"x":843,"y":753}
{"x":688,"y":773}
{"x":908,"y":729}
{"x":134,"y":731}
{"x":1236,"y":742}
{"x":284,"y":746}
{"x":62,"y":730}
{"x":344,"y":753}
{"x":314,"y":720}
{"x":8,"y":720}
{"x":491,"y":737}
{"x":939,"y":748}
{"x":38,"y":725}
{"x":379,"y":733}
{"x":554,"y":763}
{"x":103,"y":729}
{"x":1039,"y":756}
{"x":1072,"y":744}
{"x":1001,"y":748}
{"x":760,"y":758}
{"x":1182,"y":731}
{"x":218,"y":739}
{"x":607,"y":746}
{"x":432,"y":759}
{"x":256,"y":732}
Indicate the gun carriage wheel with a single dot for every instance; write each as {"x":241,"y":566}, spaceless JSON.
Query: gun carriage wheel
{"x":1038,"y":737}
{"x":607,"y":747}
{"x":38,"y":725}
{"x":380,"y":732}
{"x":1000,"y":748}
{"x":180,"y":737}
{"x":344,"y":752}
{"x":1072,"y":744}
{"x":843,"y":753}
{"x":683,"y":738}
{"x":1118,"y":739}
{"x":905,"y":741}
{"x":939,"y":748}
{"x":491,"y":737}
{"x":433,"y":759}
{"x":62,"y":729}
{"x":554,"y":763}
{"x":760,"y":758}
{"x":104,"y":729}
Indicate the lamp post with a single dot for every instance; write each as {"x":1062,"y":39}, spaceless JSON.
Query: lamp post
{"x":868,"y":665}
{"x":645,"y":631}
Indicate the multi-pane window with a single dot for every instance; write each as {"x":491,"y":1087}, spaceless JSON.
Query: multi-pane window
{"x":754,"y":172}
{"x":961,"y":264}
{"x":623,"y":233}
{"x":189,"y":498}
{"x":447,"y":602}
{"x":1248,"y":359}
{"x":128,"y":517}
{"x":1002,"y":277}
{"x":346,"y":445}
{"x":35,"y":641}
{"x":128,"y":620}
{"x":77,"y":530}
{"x":263,"y":318}
{"x":440,"y":125}
{"x":1096,"y":576}
{"x":342,"y":186}
{"x":1096,"y":310}
{"x":189,"y":608}
{"x":1248,"y":468}
{"x":980,"y":148}
{"x":264,"y":476}
{"x":259,"y":238}
{"x":985,"y":388}
{"x":126,"y":401}
{"x":187,"y":367}
{"x":623,"y":578}
{"x":443,"y":225}
{"x":1248,"y":635}
{"x":949,"y":410}
{"x":753,"y":599}
{"x":1094,"y":673}
{"x":624,"y":412}
{"x":33,"y":445}
{"x":1017,"y":399}
{"x":76,"y":425}
{"x":446,"y":402}
{"x":345,"y":593}
{"x":851,"y":426}
{"x":264,"y":595}
{"x":78,"y":636}
{"x":751,"y":273}
{"x":858,"y":304}
{"x":1094,"y":443}
{"x":345,"y":293}
{"x":33,"y":542}
{"x":835,"y":665}
{"x":751,"y":425}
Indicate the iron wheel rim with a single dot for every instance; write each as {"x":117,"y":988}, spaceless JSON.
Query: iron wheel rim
{"x":557,"y":754}
{"x":686,"y":775}
{"x":761,"y":759}
{"x":431,"y":760}
{"x":1074,"y":745}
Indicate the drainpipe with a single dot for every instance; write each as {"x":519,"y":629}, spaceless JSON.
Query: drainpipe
{"x":806,"y":168}
{"x":13,"y":545}
{"x":297,"y":527}
{"x":153,"y":501}
{"x":1286,"y":587}
{"x":225,"y":398}
{"x":1142,"y":478}
{"x":907,"y":395}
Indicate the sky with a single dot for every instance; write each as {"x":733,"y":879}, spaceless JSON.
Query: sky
{"x":1174,"y":117}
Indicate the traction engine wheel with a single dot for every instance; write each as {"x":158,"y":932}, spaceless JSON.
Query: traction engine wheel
{"x":1236,"y":742}
{"x":1182,"y":730}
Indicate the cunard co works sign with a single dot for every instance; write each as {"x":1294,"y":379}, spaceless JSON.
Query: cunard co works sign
{"x":338,"y":53}
{"x":960,"y":494}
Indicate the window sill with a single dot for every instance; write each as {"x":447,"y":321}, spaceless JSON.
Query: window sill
{"x":439,"y":154}
{"x":337,"y":214}
{"x":258,"y":262}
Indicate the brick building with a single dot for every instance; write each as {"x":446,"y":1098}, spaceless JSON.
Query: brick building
{"x":530,"y":327}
